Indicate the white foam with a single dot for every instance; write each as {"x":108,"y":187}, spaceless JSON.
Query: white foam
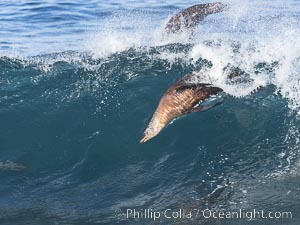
{"x":266,"y":32}
{"x":265,"y":36}
{"x":121,"y":32}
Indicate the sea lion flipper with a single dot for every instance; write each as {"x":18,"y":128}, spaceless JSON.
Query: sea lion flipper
{"x":203,"y":108}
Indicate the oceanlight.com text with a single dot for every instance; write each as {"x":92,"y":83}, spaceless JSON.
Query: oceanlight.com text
{"x":249,"y":215}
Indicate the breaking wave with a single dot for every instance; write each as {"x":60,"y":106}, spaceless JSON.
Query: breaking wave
{"x":86,"y":109}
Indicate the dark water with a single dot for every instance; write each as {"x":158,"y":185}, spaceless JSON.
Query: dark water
{"x":79,"y":83}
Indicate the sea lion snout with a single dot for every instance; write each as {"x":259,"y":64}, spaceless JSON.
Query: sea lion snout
{"x":153,"y":129}
{"x":218,"y":6}
{"x":145,"y":138}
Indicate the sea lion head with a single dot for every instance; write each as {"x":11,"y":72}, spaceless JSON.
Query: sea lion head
{"x":154,"y":128}
{"x":216,"y":7}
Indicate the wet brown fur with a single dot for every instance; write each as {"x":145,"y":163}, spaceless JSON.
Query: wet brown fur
{"x":180,"y":99}
{"x":190,"y":17}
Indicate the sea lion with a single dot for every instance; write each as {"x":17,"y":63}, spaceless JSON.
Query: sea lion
{"x":190,"y":17}
{"x":180,"y":99}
